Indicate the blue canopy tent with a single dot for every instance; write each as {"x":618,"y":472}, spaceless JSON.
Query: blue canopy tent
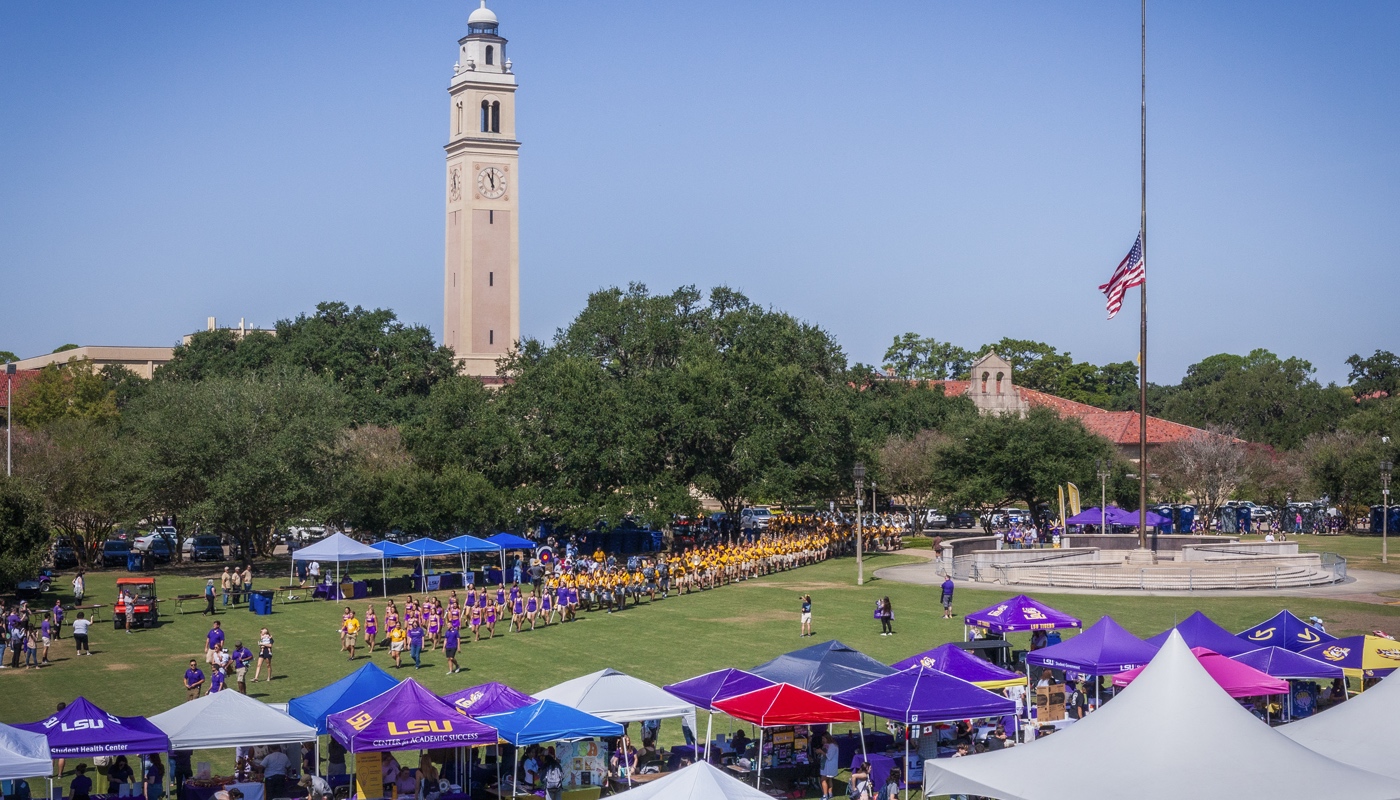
{"x":359,"y":686}
{"x":338,"y":547}
{"x":823,"y":669}
{"x":466,"y":545}
{"x":429,"y":548}
{"x":1287,"y":631}
{"x":547,"y":721}
{"x":509,"y":541}
{"x":391,"y":550}
{"x":1201,"y":631}
{"x":920,"y":695}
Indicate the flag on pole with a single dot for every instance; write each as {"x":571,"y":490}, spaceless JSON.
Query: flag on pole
{"x":1131,"y":272}
{"x":1061,"y":491}
{"x":1074,"y":508}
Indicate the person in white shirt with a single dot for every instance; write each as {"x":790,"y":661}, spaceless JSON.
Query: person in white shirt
{"x":80,"y":635}
{"x":314,"y":570}
{"x":275,"y":766}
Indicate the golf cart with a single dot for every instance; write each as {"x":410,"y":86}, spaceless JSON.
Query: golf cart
{"x":143,"y":590}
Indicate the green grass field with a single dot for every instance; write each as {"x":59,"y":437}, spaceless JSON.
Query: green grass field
{"x":741,"y":625}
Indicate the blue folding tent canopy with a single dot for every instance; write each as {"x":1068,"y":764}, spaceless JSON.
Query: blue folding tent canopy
{"x":363,"y":684}
{"x":1287,"y":631}
{"x":823,"y":669}
{"x":470,"y":544}
{"x":548,"y":721}
{"x":509,"y":541}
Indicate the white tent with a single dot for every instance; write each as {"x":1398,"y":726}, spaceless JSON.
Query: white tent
{"x":337,"y":548}
{"x":699,"y":781}
{"x":229,"y":719}
{"x":23,"y":754}
{"x":1355,"y":731}
{"x":1173,"y":733}
{"x":617,"y":697}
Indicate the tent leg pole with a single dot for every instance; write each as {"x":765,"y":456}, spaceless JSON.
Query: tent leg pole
{"x":759,"y":779}
{"x":709,"y":727}
{"x":863,"y":755}
{"x":316,"y":768}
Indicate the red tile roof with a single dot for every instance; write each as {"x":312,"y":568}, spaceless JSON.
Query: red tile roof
{"x":21,"y":377}
{"x":1119,"y":427}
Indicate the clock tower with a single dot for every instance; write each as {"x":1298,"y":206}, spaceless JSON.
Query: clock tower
{"x":481,"y":281}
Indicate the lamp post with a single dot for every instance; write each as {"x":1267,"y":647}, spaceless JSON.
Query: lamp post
{"x":1102,"y":465}
{"x":1385,"y":509}
{"x":859,"y":474}
{"x":9,"y":401}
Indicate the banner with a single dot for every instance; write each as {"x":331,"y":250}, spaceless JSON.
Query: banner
{"x":369,"y":775}
{"x":584,"y":762}
{"x":1074,"y":509}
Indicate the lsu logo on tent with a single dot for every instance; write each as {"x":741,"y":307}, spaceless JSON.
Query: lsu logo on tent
{"x":1306,"y":636}
{"x":360,"y":721}
{"x":998,"y":611}
{"x":928,"y":663}
{"x":1336,"y":653}
{"x":421,"y":726}
{"x":470,"y":700}
{"x":1263,"y":634}
{"x":1388,"y":652}
{"x":1034,"y":613}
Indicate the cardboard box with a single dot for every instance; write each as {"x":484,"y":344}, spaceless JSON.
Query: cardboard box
{"x":1050,"y":703}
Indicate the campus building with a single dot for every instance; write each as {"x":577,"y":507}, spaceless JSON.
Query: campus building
{"x":481,"y":275}
{"x":992,"y":389}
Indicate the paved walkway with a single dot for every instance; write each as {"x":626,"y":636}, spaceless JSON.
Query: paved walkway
{"x":1362,"y":586}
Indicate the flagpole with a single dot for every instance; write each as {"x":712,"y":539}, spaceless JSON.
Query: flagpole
{"x":1142,"y":352}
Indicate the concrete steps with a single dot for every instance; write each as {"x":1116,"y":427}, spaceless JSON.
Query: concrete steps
{"x":1164,"y":577}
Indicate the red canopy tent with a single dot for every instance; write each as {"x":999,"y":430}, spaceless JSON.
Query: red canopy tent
{"x":785,"y":704}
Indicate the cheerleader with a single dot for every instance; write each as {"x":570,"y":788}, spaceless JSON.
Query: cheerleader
{"x":371,"y":628}
{"x":514,"y":593}
{"x":501,"y":595}
{"x":391,"y":619}
{"x":454,"y":617}
{"x":532,"y":607}
{"x":434,"y":625}
{"x":490,"y":620}
{"x":517,"y":613}
{"x":547,"y":606}
{"x":475,"y":621}
{"x":471,"y":597}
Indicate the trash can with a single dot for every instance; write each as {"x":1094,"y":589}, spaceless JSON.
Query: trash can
{"x":134,"y":561}
{"x":260,"y":602}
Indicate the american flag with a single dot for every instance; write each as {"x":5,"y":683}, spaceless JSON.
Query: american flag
{"x":1132,"y":272}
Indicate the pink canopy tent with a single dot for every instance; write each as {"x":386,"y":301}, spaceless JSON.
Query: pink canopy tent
{"x":1238,"y":680}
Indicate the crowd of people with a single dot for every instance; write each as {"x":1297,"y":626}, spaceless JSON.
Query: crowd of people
{"x":28,"y":632}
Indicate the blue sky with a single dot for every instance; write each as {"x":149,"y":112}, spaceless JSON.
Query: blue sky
{"x":964,"y":170}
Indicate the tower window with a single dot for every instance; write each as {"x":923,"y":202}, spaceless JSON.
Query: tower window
{"x":490,"y":55}
{"x":491,"y":217}
{"x":490,"y":116}
{"x":495,"y":116}
{"x":490,"y":337}
{"x":485,"y":116}
{"x":490,"y":279}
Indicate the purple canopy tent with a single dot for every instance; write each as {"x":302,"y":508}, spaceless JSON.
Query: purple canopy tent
{"x":1113,"y":515}
{"x":1285,"y":630}
{"x":1282,"y":663}
{"x":407,"y":717}
{"x":920,"y":695}
{"x":959,"y":663}
{"x":721,"y":684}
{"x":1200,"y":631}
{"x":1104,"y":648}
{"x":1020,"y":613}
{"x":489,"y":698}
{"x":83,"y":729}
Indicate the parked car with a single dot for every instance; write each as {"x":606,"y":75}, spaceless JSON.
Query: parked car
{"x":204,"y":548}
{"x":143,"y":592}
{"x":160,"y":546}
{"x":961,"y":519}
{"x":63,"y":555}
{"x":755,"y":517}
{"x":932,"y":519}
{"x":114,"y":552}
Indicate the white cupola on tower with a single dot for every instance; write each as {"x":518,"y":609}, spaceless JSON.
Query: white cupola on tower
{"x":482,"y":49}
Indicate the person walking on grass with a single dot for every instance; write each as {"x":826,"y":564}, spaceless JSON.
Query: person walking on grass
{"x":349,"y":632}
{"x":450,"y":641}
{"x":806,"y":615}
{"x":129,"y":607}
{"x":241,"y":657}
{"x":194,"y":681}
{"x":886,"y":617}
{"x":45,"y":638}
{"x":415,"y":643}
{"x":397,"y":640}
{"x":948,"y":597}
{"x":209,"y":597}
{"x":264,"y":656}
{"x":80,"y":635}
{"x":79,"y":584}
{"x":226,"y":583}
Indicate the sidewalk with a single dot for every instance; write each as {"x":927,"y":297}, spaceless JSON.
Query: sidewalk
{"x":1361,"y":586}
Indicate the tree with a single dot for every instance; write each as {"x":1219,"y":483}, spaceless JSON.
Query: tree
{"x":1208,"y":467}
{"x":71,"y":390}
{"x":1265,"y":398}
{"x":908,"y":469}
{"x":85,"y":474}
{"x":8,"y":356}
{"x":912,"y":357}
{"x":384,"y":367}
{"x":24,"y":530}
{"x":240,"y":455}
{"x":1273,"y":476}
{"x":1344,"y":467}
{"x":995,"y":460}
{"x":1379,"y":374}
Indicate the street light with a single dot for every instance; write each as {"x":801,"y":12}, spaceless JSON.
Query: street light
{"x":9,"y":401}
{"x":1385,"y":509}
{"x":859,"y":474}
{"x":1102,"y":465}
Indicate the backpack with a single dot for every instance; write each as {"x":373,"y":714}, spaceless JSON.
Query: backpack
{"x":858,"y":789}
{"x":553,"y":777}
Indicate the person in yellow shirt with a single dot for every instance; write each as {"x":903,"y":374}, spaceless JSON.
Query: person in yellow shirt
{"x":349,"y":632}
{"x":397,"y":641}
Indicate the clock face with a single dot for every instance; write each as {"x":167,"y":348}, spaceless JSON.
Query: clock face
{"x":455,"y":184}
{"x":491,"y":183}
